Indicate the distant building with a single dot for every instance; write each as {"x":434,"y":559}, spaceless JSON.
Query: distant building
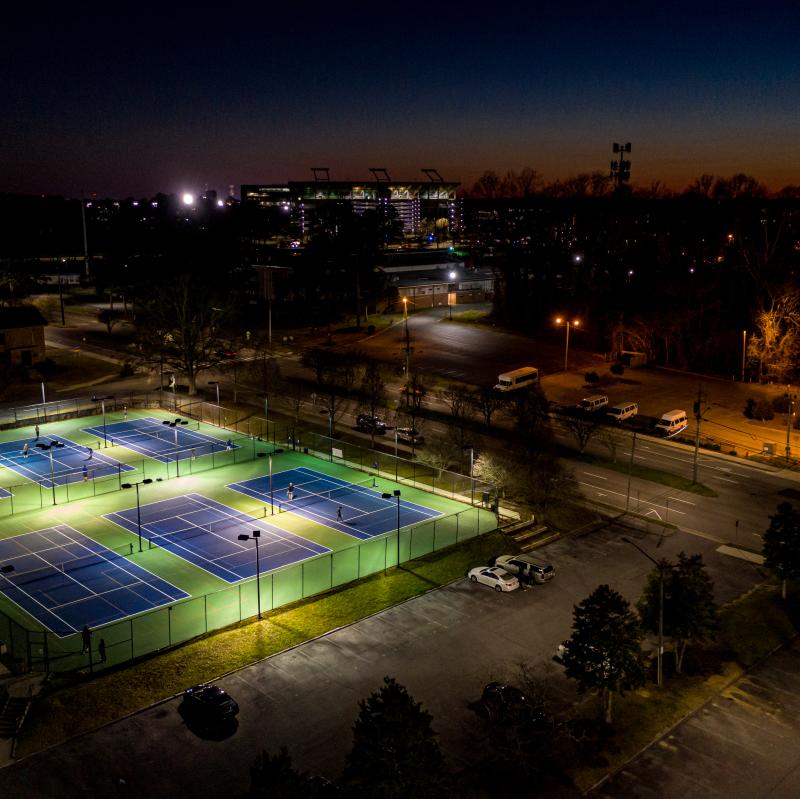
{"x":420,"y":206}
{"x":21,"y":336}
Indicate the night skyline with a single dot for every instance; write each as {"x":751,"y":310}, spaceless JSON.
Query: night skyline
{"x":175,"y":100}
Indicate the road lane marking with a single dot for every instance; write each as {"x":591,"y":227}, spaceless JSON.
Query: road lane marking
{"x":598,"y":476}
{"x":678,"y":499}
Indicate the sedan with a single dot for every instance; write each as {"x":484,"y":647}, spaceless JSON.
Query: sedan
{"x":497,"y":578}
{"x":208,"y":704}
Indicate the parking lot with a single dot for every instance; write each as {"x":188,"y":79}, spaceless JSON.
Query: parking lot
{"x":444,"y":646}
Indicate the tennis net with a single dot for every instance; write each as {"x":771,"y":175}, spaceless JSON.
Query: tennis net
{"x":303,"y":497}
{"x":67,"y":567}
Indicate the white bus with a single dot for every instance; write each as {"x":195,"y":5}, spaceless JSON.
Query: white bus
{"x":519,"y":378}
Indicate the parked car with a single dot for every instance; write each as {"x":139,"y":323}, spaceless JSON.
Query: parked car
{"x":671,"y":423}
{"x":528,"y":568}
{"x":208,"y":705}
{"x":594,"y":403}
{"x":619,"y":413}
{"x":497,"y":578}
{"x":500,"y":700}
{"x":370,"y":424}
{"x":409,"y":435}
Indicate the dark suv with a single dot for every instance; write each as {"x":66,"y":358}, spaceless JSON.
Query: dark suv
{"x":370,"y":424}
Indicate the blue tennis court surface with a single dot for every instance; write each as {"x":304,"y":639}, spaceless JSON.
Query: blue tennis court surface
{"x":318,"y":497}
{"x":66,"y":580}
{"x":204,"y":532}
{"x":70,"y":463}
{"x":161,"y":440}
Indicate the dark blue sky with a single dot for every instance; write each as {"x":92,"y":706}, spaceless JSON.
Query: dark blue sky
{"x":129,"y":99}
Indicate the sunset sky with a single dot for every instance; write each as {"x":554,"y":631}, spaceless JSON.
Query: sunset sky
{"x":131,"y":99}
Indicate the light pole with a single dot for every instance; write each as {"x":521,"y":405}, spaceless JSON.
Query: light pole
{"x":396,"y":495}
{"x":407,"y":348}
{"x":49,"y":447}
{"x":790,"y":397}
{"x":660,"y":567}
{"x":256,"y":535}
{"x":145,"y":482}
{"x":103,"y":407}
{"x":567,"y":323}
{"x":215,"y":383}
{"x":744,"y":351}
{"x":452,"y":276}
{"x":471,"y":466}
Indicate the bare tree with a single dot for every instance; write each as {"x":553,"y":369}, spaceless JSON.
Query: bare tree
{"x":487,"y":402}
{"x":582,"y":428}
{"x":776,"y":343}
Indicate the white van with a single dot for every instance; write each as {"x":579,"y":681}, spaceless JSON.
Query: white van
{"x":594,"y":403}
{"x":671,"y":423}
{"x":619,"y":413}
{"x":519,"y":378}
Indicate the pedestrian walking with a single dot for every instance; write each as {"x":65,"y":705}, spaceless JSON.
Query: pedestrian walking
{"x":25,"y":449}
{"x":86,"y":637}
{"x":85,"y":473}
{"x":36,"y":428}
{"x":125,"y":412}
{"x":290,"y":492}
{"x":101,"y":649}
{"x":339,"y":514}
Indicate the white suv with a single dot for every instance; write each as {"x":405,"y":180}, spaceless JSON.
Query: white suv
{"x":526,"y":567}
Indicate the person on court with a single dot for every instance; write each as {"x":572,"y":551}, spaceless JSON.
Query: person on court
{"x":290,"y":492}
{"x":91,"y":452}
{"x":339,"y":514}
{"x":25,"y":449}
{"x":85,"y":473}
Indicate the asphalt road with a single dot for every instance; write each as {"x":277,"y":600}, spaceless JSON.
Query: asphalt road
{"x":444,"y":646}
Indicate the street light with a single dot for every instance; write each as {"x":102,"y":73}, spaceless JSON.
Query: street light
{"x":396,"y":494}
{"x":146,"y":482}
{"x":661,"y":567}
{"x":256,"y":535}
{"x":452,"y":276}
{"x":567,"y":323}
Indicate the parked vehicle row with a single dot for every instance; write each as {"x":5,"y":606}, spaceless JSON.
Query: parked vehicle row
{"x":508,"y":572}
{"x":374,"y":424}
{"x":670,"y":424}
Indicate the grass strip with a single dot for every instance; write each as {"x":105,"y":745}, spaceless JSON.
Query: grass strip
{"x":646,"y":473}
{"x":66,"y":710}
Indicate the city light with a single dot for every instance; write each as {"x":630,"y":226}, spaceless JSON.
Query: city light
{"x":188,"y":198}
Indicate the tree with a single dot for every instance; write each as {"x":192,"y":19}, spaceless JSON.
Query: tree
{"x":776,"y":341}
{"x":111,"y":318}
{"x":373,"y":391}
{"x":603,"y":653}
{"x":487,"y":402}
{"x":274,"y":775}
{"x":781,"y":547}
{"x":180,"y":325}
{"x":395,"y":753}
{"x":690,"y":613}
{"x":582,"y":429}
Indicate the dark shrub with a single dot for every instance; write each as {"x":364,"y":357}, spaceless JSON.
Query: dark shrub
{"x":617,"y":369}
{"x":592,"y":378}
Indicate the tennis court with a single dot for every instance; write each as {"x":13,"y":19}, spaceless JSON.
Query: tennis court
{"x":50,"y":461}
{"x":163,"y":440}
{"x":66,"y":580}
{"x":205,"y":533}
{"x":318,"y":497}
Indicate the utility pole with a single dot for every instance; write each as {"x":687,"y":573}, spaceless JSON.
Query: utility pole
{"x":698,"y":416}
{"x":620,"y":169}
{"x":789,"y":419}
